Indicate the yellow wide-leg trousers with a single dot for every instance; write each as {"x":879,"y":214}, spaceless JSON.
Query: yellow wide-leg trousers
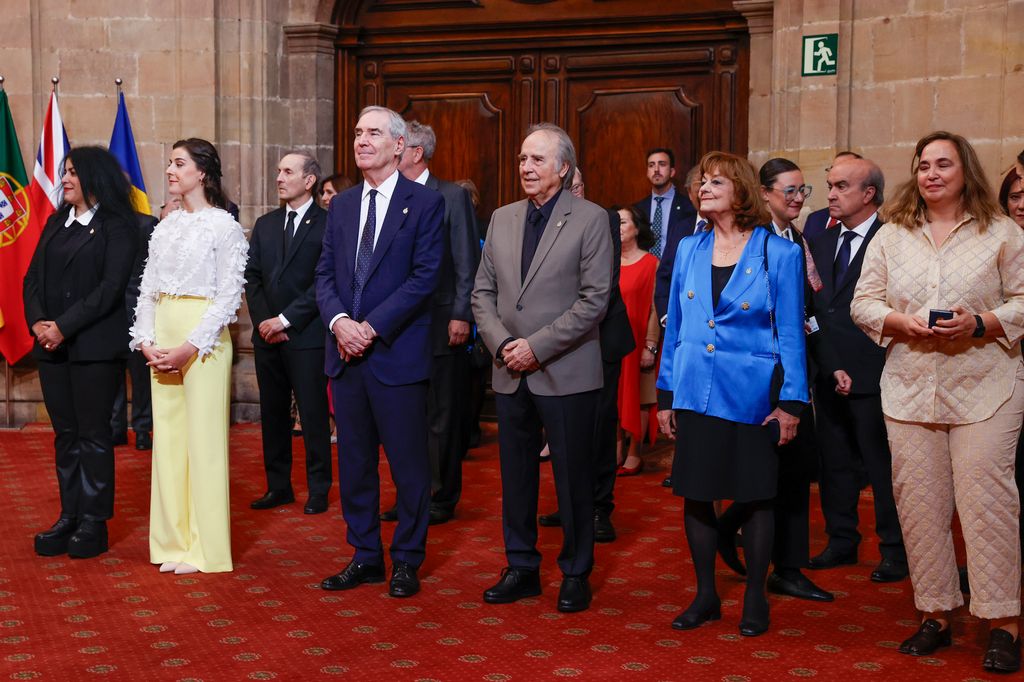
{"x":189,"y":507}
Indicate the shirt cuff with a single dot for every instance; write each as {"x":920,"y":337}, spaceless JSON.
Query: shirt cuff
{"x":284,"y":320}
{"x":334,"y":319}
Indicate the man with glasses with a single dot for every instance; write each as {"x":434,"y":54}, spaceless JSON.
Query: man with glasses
{"x":850,"y":425}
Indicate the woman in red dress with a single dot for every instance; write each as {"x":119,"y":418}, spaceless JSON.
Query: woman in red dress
{"x":637,"y":393}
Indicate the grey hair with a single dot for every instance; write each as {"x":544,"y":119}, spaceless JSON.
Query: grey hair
{"x":875,"y":179}
{"x":396,"y":124}
{"x":692,"y":175}
{"x":421,"y":135}
{"x":566,"y":150}
{"x":310,"y":166}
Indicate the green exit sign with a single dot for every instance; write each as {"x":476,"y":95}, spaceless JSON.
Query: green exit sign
{"x":821,"y":54}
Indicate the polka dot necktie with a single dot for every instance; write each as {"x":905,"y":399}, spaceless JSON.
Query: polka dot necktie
{"x":363,"y":256}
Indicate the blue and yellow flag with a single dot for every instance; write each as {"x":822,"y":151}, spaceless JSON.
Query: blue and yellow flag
{"x":122,"y":146}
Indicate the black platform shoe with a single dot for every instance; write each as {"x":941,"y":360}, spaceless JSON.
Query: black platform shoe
{"x":54,"y":542}
{"x":89,"y":540}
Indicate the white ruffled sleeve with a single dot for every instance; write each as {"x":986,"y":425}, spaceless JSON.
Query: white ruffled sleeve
{"x":143,"y":331}
{"x":229,"y":257}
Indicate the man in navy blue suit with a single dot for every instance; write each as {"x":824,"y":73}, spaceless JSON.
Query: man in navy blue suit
{"x":819,"y":221}
{"x":377,"y":272}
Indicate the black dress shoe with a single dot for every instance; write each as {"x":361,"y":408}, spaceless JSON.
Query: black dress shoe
{"x":927,"y":639}
{"x":143,"y":440}
{"x":514,"y":584}
{"x":316,"y":504}
{"x":354,"y":575}
{"x":120,"y":438}
{"x":574,"y":594}
{"x":750,"y":627}
{"x":666,"y":482}
{"x":54,"y":542}
{"x":1003,"y":654}
{"x":89,"y":540}
{"x":552,"y":520}
{"x":604,"y":531}
{"x":390,"y":514}
{"x":727,"y":550}
{"x":695,"y":616}
{"x":797,"y":585}
{"x":404,"y":582}
{"x":890,"y":571}
{"x":438,"y":515}
{"x":273,"y":498}
{"x":831,"y":557}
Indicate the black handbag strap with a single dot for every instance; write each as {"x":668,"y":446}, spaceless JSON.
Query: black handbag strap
{"x":771,"y":301}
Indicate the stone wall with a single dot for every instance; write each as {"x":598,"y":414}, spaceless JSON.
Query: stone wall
{"x":906,"y":67}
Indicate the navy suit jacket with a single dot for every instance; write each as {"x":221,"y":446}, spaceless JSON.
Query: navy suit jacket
{"x":718,"y":360}
{"x":681,"y":220}
{"x":841,"y":343}
{"x":402,"y":277}
{"x":815,"y":225}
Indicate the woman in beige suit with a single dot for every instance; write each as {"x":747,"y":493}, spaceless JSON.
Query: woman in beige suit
{"x":952,"y":389}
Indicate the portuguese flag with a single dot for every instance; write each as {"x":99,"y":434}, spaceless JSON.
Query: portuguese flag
{"x":17,"y":243}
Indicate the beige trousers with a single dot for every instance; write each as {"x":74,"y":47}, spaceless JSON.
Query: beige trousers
{"x":937,"y":468}
{"x":189,"y":512}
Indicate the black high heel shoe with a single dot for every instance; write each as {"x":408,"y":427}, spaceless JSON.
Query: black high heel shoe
{"x":695,"y":617}
{"x":89,"y":540}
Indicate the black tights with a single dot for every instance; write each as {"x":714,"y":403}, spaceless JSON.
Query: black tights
{"x":758,"y":523}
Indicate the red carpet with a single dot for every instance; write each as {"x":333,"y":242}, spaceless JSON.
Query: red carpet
{"x":117,"y":618}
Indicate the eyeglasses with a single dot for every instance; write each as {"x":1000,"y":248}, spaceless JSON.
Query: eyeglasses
{"x":790,"y":192}
{"x":576,"y":188}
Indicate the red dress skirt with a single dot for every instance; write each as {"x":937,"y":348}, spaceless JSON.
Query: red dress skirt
{"x":636,"y":283}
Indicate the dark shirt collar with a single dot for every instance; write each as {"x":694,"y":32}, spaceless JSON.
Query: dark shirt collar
{"x":546,"y":210}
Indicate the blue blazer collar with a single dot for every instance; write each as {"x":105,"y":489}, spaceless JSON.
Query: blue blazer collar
{"x":749,"y":269}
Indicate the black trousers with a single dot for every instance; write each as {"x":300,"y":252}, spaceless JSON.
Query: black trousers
{"x":279,"y":372}
{"x":142,"y":402}
{"x":568,"y":421}
{"x":447,"y":404}
{"x":79,"y":397}
{"x":797,"y":460}
{"x":852,"y":434}
{"x":605,"y":435}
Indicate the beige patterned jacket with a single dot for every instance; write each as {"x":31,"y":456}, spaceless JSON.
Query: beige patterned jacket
{"x":932,"y":380}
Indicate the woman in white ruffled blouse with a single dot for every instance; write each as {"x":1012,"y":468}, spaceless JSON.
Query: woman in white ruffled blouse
{"x":191,"y":289}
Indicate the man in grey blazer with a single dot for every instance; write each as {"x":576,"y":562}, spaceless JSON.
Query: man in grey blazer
{"x":541,"y":290}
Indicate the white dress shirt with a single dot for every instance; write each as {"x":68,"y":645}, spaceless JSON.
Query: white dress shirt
{"x":300,"y":214}
{"x":422,"y":179}
{"x":84,"y":219}
{"x":856,"y":242}
{"x":666,"y":212}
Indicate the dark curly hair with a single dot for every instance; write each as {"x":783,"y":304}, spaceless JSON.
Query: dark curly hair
{"x":206,"y":158}
{"x":102,"y":180}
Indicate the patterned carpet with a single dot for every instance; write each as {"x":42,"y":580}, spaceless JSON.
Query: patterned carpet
{"x":117,"y":618}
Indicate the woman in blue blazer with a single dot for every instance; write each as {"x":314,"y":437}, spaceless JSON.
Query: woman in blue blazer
{"x":731,"y":318}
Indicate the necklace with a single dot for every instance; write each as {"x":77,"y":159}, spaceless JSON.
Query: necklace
{"x":728,"y":252}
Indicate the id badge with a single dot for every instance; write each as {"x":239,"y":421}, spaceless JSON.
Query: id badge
{"x":812,"y":325}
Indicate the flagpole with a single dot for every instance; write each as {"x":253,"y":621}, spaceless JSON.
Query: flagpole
{"x":7,"y":396}
{"x":118,"y":82}
{"x":1,"y":83}
{"x":55,"y":80}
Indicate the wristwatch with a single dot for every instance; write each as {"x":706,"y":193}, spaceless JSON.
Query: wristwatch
{"x":653,"y":349}
{"x":979,"y":330}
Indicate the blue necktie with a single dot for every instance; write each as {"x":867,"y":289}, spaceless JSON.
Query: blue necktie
{"x":656,"y":224}
{"x":364,"y":255}
{"x":843,"y":258}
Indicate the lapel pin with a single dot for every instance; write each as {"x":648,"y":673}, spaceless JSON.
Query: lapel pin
{"x":748,"y":271}
{"x":560,"y":223}
{"x":92,"y":231}
{"x":309,"y":220}
{"x":405,"y":211}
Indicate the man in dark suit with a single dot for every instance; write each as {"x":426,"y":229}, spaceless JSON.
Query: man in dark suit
{"x":288,"y":336}
{"x":375,"y":281}
{"x":821,"y":220}
{"x":851,"y":429}
{"x":616,"y":343}
{"x":138,"y":370}
{"x":541,"y":290}
{"x":447,"y":399}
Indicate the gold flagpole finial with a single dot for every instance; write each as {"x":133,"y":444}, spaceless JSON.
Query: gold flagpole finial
{"x":118,"y":82}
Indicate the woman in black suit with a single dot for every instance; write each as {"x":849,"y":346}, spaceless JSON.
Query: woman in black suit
{"x":74,"y":304}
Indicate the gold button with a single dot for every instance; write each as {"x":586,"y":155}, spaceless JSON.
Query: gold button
{"x":711,"y":348}
{"x":689,"y":294}
{"x":745,"y":305}
{"x":711,"y":324}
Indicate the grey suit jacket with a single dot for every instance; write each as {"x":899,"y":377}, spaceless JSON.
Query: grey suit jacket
{"x":559,"y":304}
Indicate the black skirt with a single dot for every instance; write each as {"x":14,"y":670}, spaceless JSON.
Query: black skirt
{"x":718,"y":459}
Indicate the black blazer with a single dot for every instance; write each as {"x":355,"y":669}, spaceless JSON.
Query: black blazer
{"x":146,"y":225}
{"x":94,"y":321}
{"x":681,"y":220}
{"x":616,"y":335}
{"x":842,"y":345}
{"x":277,"y":283}
{"x":459,"y":262}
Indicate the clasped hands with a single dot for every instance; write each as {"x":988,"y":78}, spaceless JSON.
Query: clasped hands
{"x":169,"y":361}
{"x":518,"y":356}
{"x":354,"y":338}
{"x":48,"y":334}
{"x":272,"y":330}
{"x":915,"y":327}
